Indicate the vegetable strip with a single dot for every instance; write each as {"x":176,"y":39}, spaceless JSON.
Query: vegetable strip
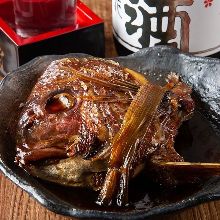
{"x":136,"y":123}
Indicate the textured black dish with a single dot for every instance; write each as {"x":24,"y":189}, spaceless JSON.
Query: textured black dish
{"x":201,"y":144}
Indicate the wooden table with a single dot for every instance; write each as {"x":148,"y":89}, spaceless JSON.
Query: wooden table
{"x":18,"y":205}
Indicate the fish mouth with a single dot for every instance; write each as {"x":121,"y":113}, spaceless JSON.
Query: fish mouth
{"x":44,"y":153}
{"x":49,"y":160}
{"x":42,"y":150}
{"x":58,"y":147}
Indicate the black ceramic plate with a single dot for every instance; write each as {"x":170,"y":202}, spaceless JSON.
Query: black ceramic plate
{"x":197,"y":140}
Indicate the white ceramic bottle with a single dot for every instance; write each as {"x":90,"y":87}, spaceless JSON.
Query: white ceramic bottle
{"x":191,"y":25}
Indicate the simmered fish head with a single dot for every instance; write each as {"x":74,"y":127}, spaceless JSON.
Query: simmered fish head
{"x":75,"y":112}
{"x":68,"y":124}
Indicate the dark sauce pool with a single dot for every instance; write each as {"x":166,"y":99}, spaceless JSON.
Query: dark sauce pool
{"x":196,"y":142}
{"x":143,"y":195}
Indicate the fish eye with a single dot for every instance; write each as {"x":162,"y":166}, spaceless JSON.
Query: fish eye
{"x":59,"y":103}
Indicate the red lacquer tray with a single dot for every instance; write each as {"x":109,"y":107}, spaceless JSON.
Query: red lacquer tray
{"x":86,"y":37}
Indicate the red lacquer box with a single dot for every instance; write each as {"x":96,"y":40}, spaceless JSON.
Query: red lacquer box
{"x":87,"y":37}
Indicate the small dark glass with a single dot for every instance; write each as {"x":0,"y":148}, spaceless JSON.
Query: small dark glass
{"x":33,"y":17}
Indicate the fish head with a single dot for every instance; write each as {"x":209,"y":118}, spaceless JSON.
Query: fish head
{"x":69,"y":114}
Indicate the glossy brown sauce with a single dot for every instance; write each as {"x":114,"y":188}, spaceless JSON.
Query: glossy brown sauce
{"x":143,"y":193}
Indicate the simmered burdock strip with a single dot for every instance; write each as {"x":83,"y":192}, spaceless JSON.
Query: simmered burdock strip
{"x":136,"y":123}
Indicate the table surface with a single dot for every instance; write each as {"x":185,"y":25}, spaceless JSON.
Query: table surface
{"x":17,"y":204}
